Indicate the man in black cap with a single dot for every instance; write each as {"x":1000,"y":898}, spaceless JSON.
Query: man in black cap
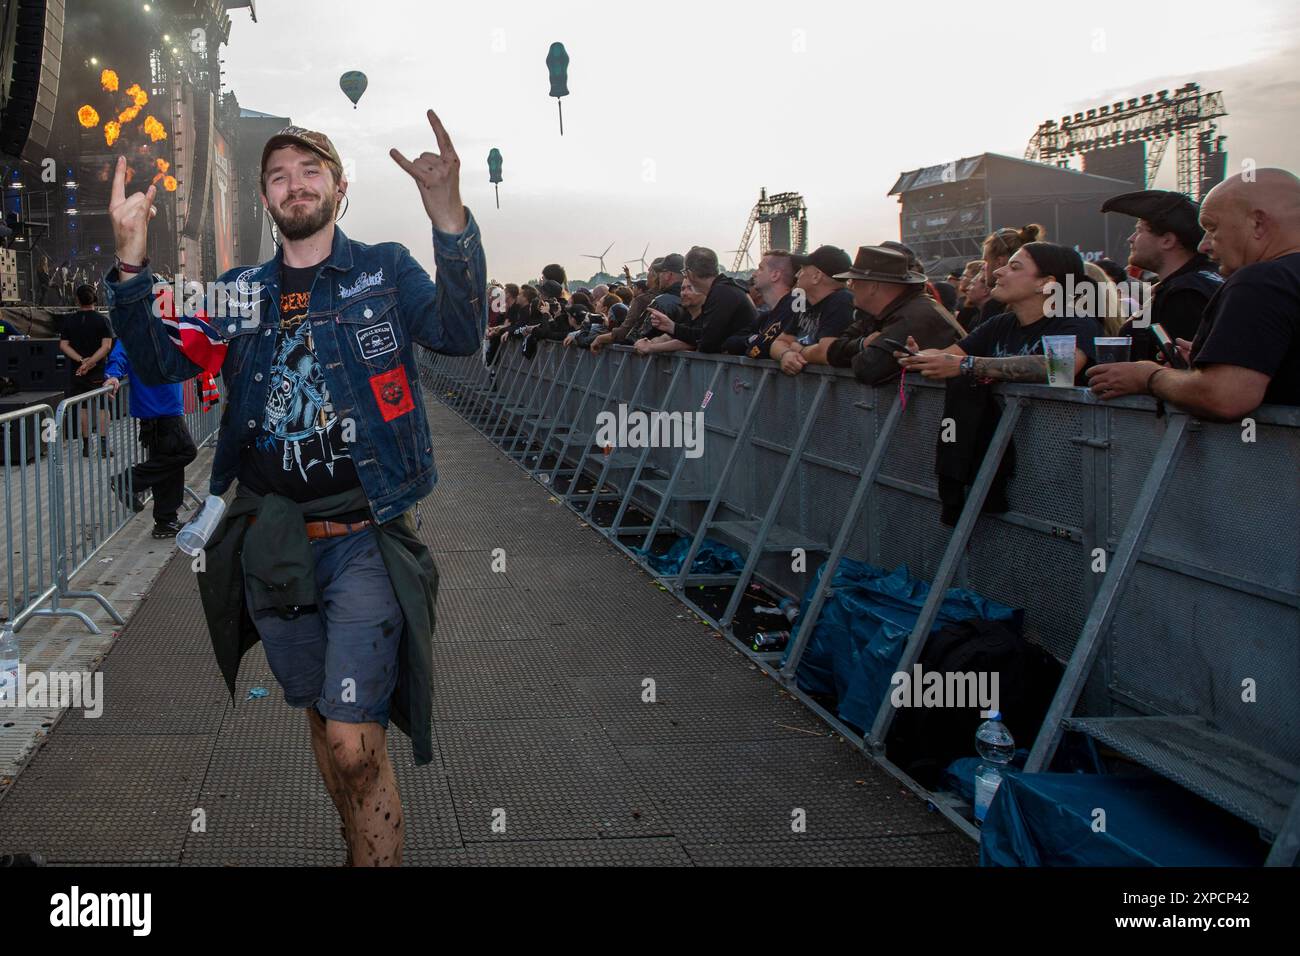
{"x":1165,"y":242}
{"x":727,"y":309}
{"x":892,"y":304}
{"x":822,"y":308}
{"x":665,"y":292}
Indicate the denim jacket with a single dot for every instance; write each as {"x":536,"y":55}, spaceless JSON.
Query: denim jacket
{"x":369,"y":307}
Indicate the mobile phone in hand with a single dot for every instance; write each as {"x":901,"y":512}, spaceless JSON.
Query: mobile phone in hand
{"x":898,"y":346}
{"x":1167,"y":347}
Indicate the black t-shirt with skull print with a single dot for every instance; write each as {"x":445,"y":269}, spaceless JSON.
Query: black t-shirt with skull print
{"x":301,"y":449}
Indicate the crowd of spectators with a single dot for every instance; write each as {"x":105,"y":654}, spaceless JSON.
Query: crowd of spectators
{"x":1221,"y":279}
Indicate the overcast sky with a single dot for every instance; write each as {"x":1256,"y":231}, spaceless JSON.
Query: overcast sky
{"x":677,"y":117}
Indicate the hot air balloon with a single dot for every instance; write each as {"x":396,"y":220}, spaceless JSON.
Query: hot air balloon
{"x":353,"y":83}
{"x":557,"y":62}
{"x":494,"y":171}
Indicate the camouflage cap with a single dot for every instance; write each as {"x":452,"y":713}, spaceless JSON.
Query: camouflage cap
{"x":311,"y":140}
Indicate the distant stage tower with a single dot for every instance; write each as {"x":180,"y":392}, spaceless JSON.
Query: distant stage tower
{"x":782,"y":224}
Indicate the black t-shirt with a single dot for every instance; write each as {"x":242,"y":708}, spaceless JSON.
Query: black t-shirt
{"x":1254,"y":322}
{"x":827,"y":319}
{"x":758,"y":345}
{"x":85,"y":330}
{"x":299,"y":452}
{"x":1177,"y":305}
{"x":1003,"y":335}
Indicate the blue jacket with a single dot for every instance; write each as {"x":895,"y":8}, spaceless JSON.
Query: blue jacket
{"x":147,"y":401}
{"x":369,"y":307}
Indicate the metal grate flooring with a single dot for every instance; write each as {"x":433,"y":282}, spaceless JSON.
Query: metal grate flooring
{"x":582,"y":718}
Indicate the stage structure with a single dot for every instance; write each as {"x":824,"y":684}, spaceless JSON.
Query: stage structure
{"x":1143,"y":125}
{"x":948,"y":210}
{"x":133,"y":79}
{"x":782,"y":223}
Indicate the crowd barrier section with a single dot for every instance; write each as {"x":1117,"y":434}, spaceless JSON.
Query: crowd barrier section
{"x":60,"y":504}
{"x":29,"y":490}
{"x":1155,"y":557}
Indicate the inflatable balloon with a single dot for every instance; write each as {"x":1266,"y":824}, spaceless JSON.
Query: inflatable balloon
{"x":353,"y":83}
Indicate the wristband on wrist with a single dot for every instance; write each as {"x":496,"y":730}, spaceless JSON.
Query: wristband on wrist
{"x":130,"y":269}
{"x":1151,"y":378}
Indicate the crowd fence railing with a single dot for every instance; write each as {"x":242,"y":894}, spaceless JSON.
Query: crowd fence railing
{"x":1155,"y":556}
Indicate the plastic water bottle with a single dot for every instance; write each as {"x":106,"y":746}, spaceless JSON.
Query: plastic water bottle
{"x":996,"y":747}
{"x":788,"y":608}
{"x":8,"y":666}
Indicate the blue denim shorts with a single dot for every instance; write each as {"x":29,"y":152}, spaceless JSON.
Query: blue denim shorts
{"x":341,"y":654}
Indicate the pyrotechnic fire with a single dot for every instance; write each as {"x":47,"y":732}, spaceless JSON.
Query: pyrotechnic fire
{"x":154,"y":129}
{"x":163,"y":165}
{"x":112,"y":129}
{"x":139,"y":96}
{"x":88,"y":117}
{"x":128,"y":114}
{"x":169,"y":183}
{"x":108,"y":80}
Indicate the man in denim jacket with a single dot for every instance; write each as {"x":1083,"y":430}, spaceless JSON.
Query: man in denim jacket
{"x":325,"y":433}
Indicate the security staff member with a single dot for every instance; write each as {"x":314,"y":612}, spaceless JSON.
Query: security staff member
{"x":1165,"y":241}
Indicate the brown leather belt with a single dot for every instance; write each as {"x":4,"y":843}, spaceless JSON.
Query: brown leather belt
{"x":328,"y":529}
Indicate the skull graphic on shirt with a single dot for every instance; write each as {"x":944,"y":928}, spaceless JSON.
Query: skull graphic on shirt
{"x":298,"y":410}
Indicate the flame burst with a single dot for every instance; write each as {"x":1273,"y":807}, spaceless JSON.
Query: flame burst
{"x":138,"y":96}
{"x":169,"y":183}
{"x":163,"y":165}
{"x":128,"y":114}
{"x":108,"y":80}
{"x":112,"y":130}
{"x":88,"y":117}
{"x":154,"y":129}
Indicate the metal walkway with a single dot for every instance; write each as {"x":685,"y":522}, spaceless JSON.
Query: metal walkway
{"x":541,"y":677}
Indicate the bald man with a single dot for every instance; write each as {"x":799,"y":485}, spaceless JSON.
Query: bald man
{"x":1247,"y":352}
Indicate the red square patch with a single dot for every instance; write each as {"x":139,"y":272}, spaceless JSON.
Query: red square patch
{"x":392,"y":393}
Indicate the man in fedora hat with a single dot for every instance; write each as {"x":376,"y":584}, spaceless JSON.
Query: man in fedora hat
{"x":1165,"y":242}
{"x":892,"y":304}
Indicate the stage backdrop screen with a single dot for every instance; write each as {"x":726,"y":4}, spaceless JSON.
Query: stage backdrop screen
{"x":223,"y":203}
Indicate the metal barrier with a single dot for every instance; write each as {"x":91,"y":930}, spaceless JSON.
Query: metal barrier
{"x":1176,"y":613}
{"x":60,"y":506}
{"x":30,"y":489}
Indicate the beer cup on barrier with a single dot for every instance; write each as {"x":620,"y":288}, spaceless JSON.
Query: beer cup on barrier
{"x":1113,"y":348}
{"x":1059,"y":350}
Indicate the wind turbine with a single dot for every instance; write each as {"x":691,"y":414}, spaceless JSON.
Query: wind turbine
{"x":749,"y":260}
{"x":641,"y":260}
{"x":601,"y":257}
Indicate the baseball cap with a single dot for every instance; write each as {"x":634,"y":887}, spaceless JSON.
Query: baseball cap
{"x":672,"y":263}
{"x":311,"y":140}
{"x":829,"y":259}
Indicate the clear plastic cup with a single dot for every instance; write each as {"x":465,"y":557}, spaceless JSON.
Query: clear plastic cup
{"x":1113,"y":349}
{"x":193,"y":538}
{"x":1059,"y":350}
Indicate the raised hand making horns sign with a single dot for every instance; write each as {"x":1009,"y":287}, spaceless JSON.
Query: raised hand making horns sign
{"x":438,"y":177}
{"x":130,"y":216}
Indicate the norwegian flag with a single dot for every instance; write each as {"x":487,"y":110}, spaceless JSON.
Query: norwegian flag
{"x":198,"y":341}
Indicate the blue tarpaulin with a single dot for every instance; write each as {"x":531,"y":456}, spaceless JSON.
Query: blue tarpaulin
{"x":863,"y":627}
{"x":1052,"y":819}
{"x":712,"y":558}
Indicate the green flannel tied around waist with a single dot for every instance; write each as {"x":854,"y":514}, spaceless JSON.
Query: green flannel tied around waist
{"x":278,"y":564}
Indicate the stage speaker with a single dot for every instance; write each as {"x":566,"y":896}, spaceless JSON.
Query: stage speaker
{"x":28,"y":116}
